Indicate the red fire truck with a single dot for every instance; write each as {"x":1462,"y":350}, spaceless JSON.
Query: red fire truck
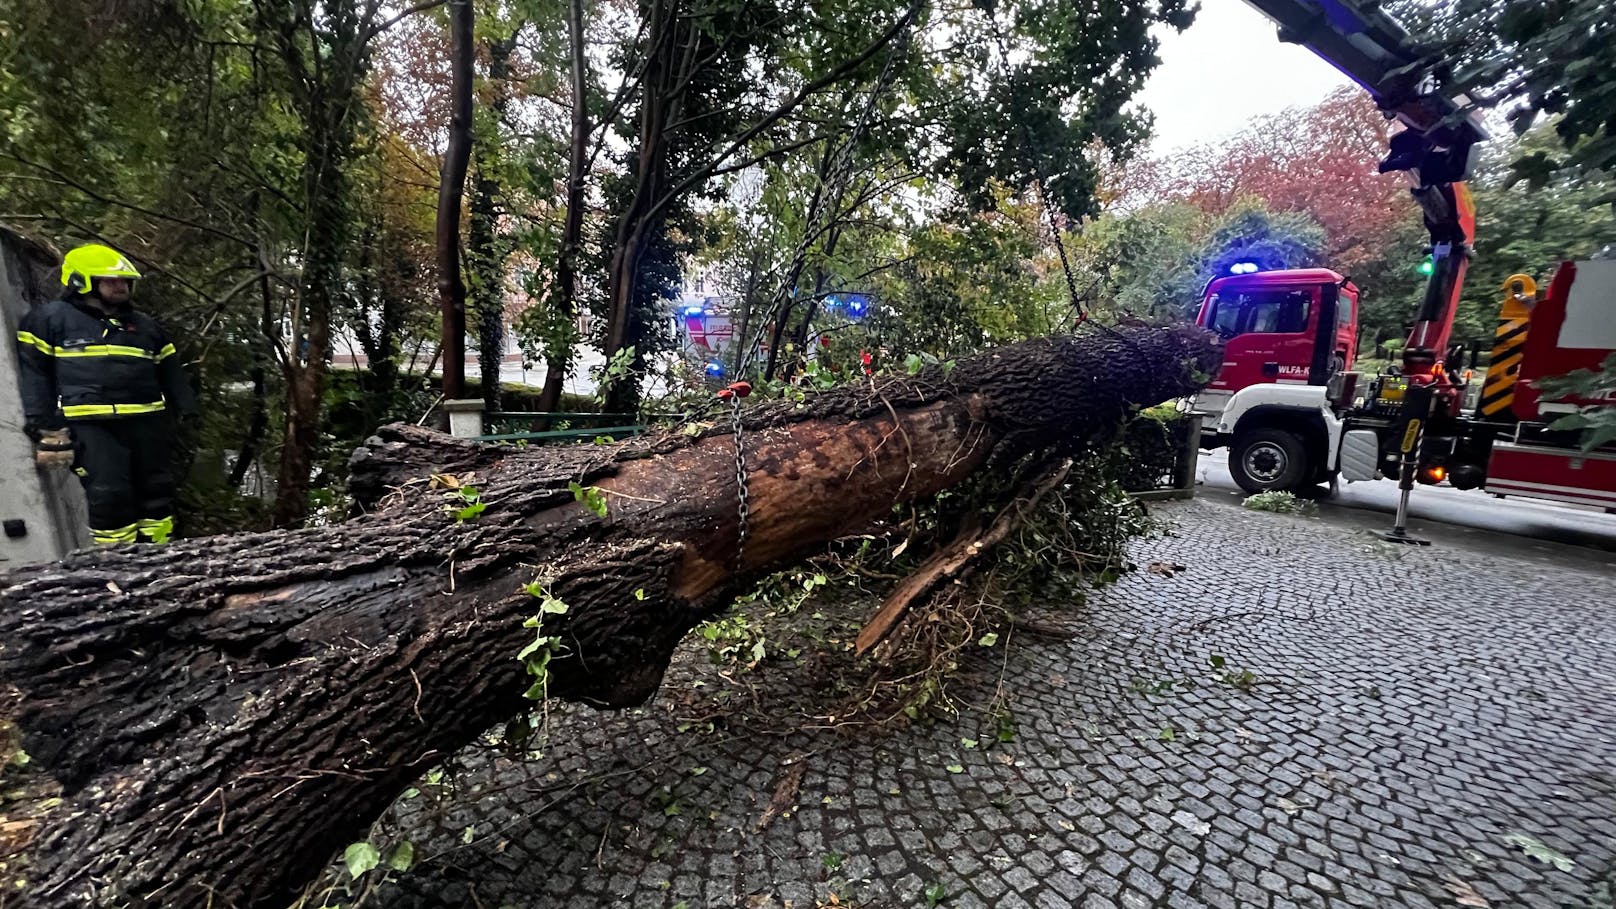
{"x":1293,"y":412}
{"x":1288,"y":404}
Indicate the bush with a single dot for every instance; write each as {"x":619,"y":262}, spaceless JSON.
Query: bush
{"x":1152,"y":446}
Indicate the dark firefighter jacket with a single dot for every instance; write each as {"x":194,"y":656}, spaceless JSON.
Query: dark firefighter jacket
{"x":78,"y":364}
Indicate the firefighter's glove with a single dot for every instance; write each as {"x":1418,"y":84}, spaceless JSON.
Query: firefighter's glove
{"x":54,"y":449}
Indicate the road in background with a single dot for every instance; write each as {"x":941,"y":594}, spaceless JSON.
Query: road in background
{"x":1465,"y":510}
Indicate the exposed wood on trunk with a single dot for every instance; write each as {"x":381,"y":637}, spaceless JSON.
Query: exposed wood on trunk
{"x":222,"y":715}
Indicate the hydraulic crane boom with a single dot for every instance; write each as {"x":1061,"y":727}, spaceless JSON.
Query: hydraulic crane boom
{"x":1436,"y":146}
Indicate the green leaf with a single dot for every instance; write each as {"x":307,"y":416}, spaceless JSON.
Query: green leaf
{"x":1537,"y":849}
{"x":969,"y":743}
{"x":361,"y":857}
{"x":639,"y":593}
{"x":592,"y":497}
{"x":913,"y":364}
{"x":936,"y":894}
{"x":1599,"y":435}
{"x":468,"y":834}
{"x":402,"y":857}
{"x":989,"y":639}
{"x":470,"y":511}
{"x":1572,"y":421}
{"x":955,"y":768}
{"x":1217,"y":661}
{"x":542,"y":642}
{"x":1167,"y":734}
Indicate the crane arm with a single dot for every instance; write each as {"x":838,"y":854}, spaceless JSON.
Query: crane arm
{"x":1436,"y":146}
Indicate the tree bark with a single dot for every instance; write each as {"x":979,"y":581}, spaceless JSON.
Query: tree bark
{"x":213,"y":719}
{"x":451,"y":194}
{"x":558,"y":355}
{"x":487,"y":248}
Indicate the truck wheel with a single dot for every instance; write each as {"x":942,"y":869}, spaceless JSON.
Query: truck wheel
{"x":1268,"y":459}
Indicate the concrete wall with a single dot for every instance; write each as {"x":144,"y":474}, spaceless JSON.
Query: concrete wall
{"x":50,"y":505}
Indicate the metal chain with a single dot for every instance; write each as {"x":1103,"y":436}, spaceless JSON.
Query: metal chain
{"x":741,"y":493}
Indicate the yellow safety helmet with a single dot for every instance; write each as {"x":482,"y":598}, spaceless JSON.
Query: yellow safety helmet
{"x":83,"y":265}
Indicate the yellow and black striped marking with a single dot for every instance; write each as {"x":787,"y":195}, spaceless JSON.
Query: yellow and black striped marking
{"x":1514,"y":318}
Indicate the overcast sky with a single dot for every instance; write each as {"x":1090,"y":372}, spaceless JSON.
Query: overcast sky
{"x":1226,"y":69}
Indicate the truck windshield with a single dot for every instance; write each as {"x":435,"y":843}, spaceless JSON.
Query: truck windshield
{"x":1236,"y":313}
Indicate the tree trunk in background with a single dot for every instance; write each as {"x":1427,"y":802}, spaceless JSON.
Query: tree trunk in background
{"x":210,"y":721}
{"x":311,"y":349}
{"x":258,"y":422}
{"x":556,"y":362}
{"x":663,"y":88}
{"x":327,"y":54}
{"x":487,"y":267}
{"x":451,"y":194}
{"x":487,"y":249}
{"x":741,"y":339}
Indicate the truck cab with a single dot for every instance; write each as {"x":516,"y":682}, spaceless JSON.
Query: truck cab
{"x":1290,"y":327}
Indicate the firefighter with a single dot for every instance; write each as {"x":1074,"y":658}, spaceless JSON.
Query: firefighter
{"x":99,"y":383}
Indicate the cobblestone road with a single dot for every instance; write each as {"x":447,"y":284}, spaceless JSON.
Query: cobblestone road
{"x":1383,"y":727}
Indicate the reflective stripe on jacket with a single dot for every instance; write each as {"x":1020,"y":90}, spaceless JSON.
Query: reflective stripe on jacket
{"x":80,"y":364}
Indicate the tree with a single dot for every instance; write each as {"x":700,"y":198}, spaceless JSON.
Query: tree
{"x":1155,"y":261}
{"x":325,"y":51}
{"x":1321,"y":161}
{"x":698,"y":116}
{"x":967,"y":281}
{"x":451,"y":195}
{"x":1544,"y":58}
{"x":235,"y":710}
{"x":1062,"y":83}
{"x":564,"y":304}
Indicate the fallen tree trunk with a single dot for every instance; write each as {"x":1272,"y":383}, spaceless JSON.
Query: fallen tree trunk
{"x":218,"y":716}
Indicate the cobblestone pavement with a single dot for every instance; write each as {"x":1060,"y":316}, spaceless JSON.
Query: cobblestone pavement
{"x":1300,"y":717}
